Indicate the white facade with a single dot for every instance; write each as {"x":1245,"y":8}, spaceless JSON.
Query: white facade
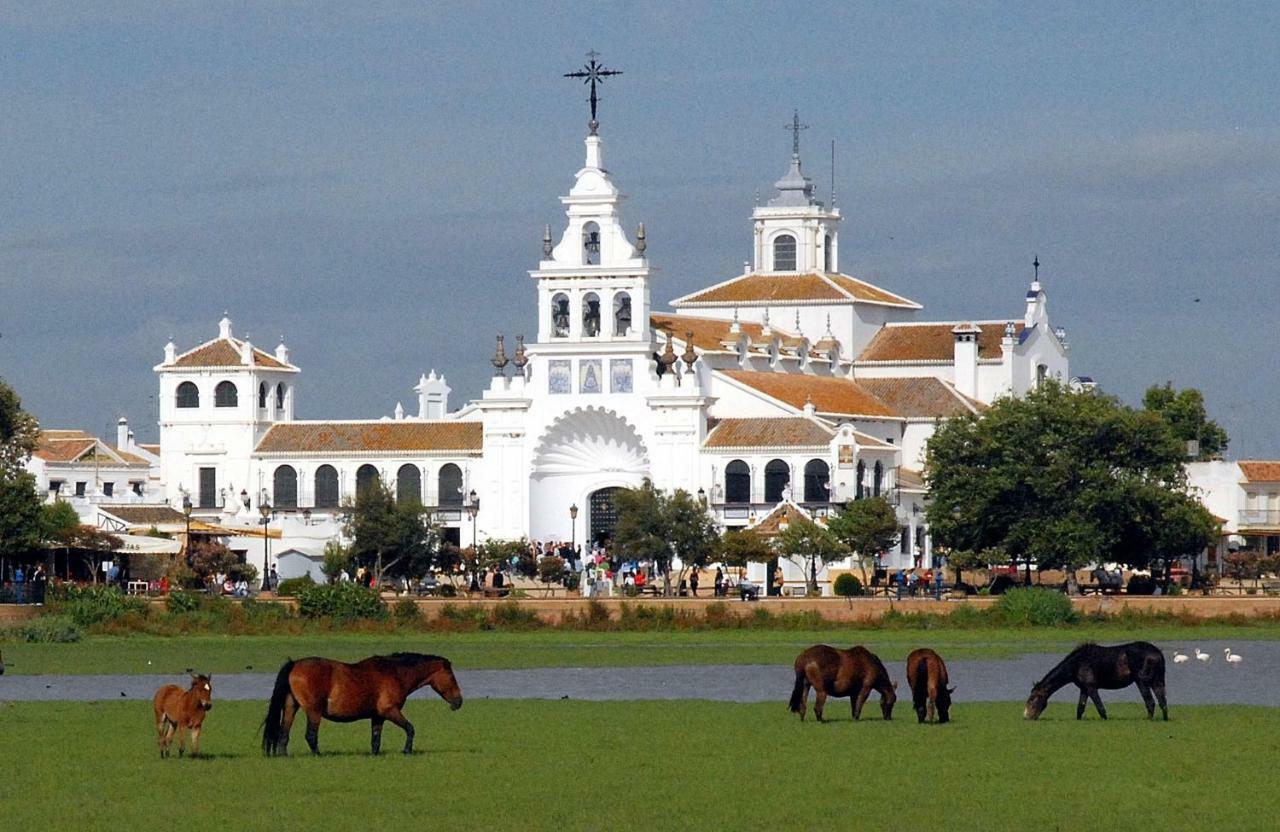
{"x":801,"y":376}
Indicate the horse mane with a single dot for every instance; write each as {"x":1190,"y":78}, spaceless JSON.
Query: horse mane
{"x":407,"y":659}
{"x":1075,"y":653}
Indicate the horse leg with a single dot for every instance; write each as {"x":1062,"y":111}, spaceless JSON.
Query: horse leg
{"x":859,"y":702}
{"x":1097,"y":703}
{"x":930,"y":707}
{"x":313,"y":731}
{"x":804,"y":700}
{"x":286,"y":724}
{"x":195,"y":741}
{"x":1084,"y":698}
{"x":1164,"y":706}
{"x":375,"y":741}
{"x":1147,"y":699}
{"x":182,"y":741}
{"x":819,"y":701}
{"x":397,"y":717}
{"x":166,"y":730}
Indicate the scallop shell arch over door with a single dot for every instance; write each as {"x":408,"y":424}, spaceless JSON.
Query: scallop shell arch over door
{"x":593,"y":440}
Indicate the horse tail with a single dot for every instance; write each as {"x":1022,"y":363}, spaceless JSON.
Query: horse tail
{"x":272,"y":725}
{"x":797,"y":693}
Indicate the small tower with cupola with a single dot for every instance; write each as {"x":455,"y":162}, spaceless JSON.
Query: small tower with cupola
{"x":794,"y":232}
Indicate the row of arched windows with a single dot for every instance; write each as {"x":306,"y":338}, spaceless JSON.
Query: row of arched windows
{"x":226,"y":394}
{"x":327,"y":492}
{"x":560,"y":314}
{"x":777,"y":474}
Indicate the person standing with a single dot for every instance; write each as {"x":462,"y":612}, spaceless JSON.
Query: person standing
{"x":19,"y":585}
{"x":39,"y":581}
{"x":778,"y":580}
{"x":274,"y":580}
{"x":719,"y":583}
{"x":693,"y":582}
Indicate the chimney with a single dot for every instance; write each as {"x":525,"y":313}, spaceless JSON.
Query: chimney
{"x":224,"y":327}
{"x":966,"y":359}
{"x":122,"y":433}
{"x":246,"y":352}
{"x":170,"y":352}
{"x":433,"y":396}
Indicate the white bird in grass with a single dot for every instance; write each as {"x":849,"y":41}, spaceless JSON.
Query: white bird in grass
{"x":1233,"y":658}
{"x":1204,"y":657}
{"x":1179,"y":658}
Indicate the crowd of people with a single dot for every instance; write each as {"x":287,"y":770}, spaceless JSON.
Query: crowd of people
{"x":27,"y":584}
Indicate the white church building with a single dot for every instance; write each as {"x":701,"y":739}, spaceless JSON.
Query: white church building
{"x":791,"y":381}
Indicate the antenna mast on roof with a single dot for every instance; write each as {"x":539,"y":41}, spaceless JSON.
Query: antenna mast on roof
{"x":833,"y":173}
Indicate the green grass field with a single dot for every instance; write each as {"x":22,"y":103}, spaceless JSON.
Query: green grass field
{"x":568,"y":648}
{"x":648,"y":765}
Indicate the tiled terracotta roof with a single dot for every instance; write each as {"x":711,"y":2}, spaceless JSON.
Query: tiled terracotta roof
{"x":62,"y":450}
{"x":709,"y":334}
{"x":135,"y":515}
{"x":61,"y":433}
{"x":225,"y":352}
{"x":771,"y":524}
{"x":350,"y":437}
{"x":132,"y":459}
{"x":828,"y":394}
{"x":920,"y":397}
{"x":930,"y":342}
{"x":785,"y":288}
{"x":866,"y":440}
{"x":1260,"y":471}
{"x":793,"y":431}
{"x":151,"y":449}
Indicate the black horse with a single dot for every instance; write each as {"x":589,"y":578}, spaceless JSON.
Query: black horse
{"x":1092,"y":667}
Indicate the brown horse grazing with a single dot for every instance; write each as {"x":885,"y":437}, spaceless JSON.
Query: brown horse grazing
{"x":1091,"y":667}
{"x":182,"y":711}
{"x":373,"y":689}
{"x":832,"y":672}
{"x":927,"y":678}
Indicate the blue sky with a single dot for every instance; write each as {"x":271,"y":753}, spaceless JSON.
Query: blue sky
{"x":371,"y":179}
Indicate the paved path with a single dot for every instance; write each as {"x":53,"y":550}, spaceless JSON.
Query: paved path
{"x":1252,"y":682}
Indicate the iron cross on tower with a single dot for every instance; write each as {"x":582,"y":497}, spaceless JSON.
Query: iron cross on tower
{"x":593,"y":73}
{"x":795,"y":127}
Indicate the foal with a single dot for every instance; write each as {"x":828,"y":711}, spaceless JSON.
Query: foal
{"x":182,"y":711}
{"x":927,"y":678}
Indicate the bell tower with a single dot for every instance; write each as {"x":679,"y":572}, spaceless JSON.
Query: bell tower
{"x":794,"y":232}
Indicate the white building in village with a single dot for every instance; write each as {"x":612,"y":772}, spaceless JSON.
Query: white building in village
{"x":791,"y":381}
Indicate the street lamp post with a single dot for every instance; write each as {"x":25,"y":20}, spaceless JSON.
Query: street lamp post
{"x":573,"y":529}
{"x":186,"y":512}
{"x":264,"y":508}
{"x":473,"y":508}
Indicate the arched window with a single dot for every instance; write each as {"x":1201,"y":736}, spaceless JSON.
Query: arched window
{"x":737,"y":482}
{"x":188,"y":395}
{"x":409,"y":485}
{"x":861,"y":481}
{"x":326,"y":487}
{"x":280,"y":396}
{"x":621,"y":313}
{"x":285,"y":487}
{"x":560,"y":315}
{"x":877,"y":479}
{"x":1042,"y":372}
{"x":817,"y":475}
{"x":450,"y":484}
{"x":590,"y":314}
{"x":366,"y":478}
{"x":262,"y":396}
{"x":591,"y":244}
{"x":784,"y":253}
{"x":826,"y":253}
{"x":225,"y":394}
{"x":776,"y":476}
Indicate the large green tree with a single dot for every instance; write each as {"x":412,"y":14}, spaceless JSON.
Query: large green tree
{"x":806,"y":544}
{"x":1184,"y":412}
{"x":389,"y":537}
{"x":739,"y":547}
{"x":868,"y":527}
{"x":663,"y":526}
{"x":20,"y":530}
{"x":1061,"y":478}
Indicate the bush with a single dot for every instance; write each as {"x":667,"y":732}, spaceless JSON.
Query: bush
{"x":1035,"y":606}
{"x":263,"y":612}
{"x":345,"y":601}
{"x":90,"y":605}
{"x":847,"y":586}
{"x":180,"y":602}
{"x":48,"y":629}
{"x":405,"y":613}
{"x":293,"y":586}
{"x":246,"y":572}
{"x":551,"y":569}
{"x":512,"y":616}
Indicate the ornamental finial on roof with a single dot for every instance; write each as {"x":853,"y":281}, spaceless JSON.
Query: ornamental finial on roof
{"x":500,"y":359}
{"x":795,"y":127}
{"x":593,"y":73}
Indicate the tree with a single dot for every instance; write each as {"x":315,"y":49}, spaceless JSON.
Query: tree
{"x":20,"y":531}
{"x":57,"y":521}
{"x":506,"y":554}
{"x":388,"y":537}
{"x":336,"y":560}
{"x":739,"y":547}
{"x":1059,"y":477}
{"x":961,"y":560}
{"x":867,"y":527}
{"x":657,"y":526}
{"x":806,"y":544}
{"x":208,"y":558}
{"x":1183,"y":411}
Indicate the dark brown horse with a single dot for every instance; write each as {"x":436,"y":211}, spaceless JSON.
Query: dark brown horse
{"x":927,"y":678}
{"x":182,"y":711}
{"x":373,"y":689}
{"x":1092,"y":667}
{"x":832,"y":672}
